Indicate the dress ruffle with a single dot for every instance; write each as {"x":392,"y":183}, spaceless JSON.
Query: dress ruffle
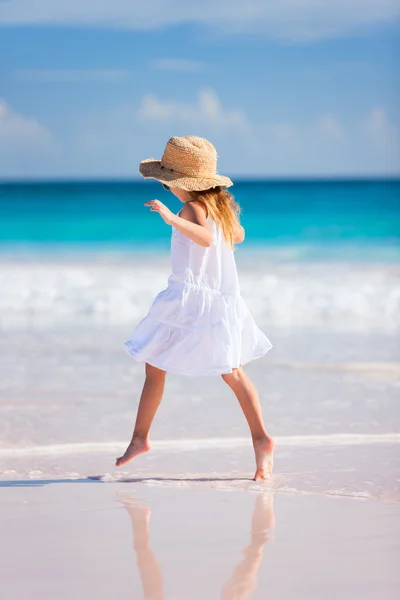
{"x":192,"y":330}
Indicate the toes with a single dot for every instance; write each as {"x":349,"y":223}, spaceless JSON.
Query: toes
{"x":262,"y":475}
{"x":259,"y":475}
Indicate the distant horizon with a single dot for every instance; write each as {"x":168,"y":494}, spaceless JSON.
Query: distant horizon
{"x":236,"y":180}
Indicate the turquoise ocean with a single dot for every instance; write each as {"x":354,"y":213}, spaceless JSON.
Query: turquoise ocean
{"x":327,"y":216}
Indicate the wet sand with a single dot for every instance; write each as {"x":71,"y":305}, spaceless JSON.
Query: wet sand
{"x":89,"y":539}
{"x":354,"y":466}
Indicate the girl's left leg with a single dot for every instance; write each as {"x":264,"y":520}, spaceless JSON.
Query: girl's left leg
{"x":150,"y":399}
{"x":263,"y":444}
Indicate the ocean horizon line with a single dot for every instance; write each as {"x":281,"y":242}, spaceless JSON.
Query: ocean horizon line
{"x":244,"y":179}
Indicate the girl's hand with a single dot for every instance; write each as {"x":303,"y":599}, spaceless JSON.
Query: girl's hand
{"x":165,"y":213}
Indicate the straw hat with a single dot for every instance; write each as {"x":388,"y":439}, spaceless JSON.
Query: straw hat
{"x":188,"y":163}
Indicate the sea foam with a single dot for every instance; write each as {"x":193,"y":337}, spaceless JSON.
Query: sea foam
{"x":346,"y":296}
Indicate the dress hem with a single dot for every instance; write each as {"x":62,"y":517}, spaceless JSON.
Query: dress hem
{"x":158,"y":365}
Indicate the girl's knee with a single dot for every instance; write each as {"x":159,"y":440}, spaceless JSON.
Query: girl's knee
{"x":233,"y":377}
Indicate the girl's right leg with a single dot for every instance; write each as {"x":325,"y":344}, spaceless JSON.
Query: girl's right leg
{"x":149,"y":402}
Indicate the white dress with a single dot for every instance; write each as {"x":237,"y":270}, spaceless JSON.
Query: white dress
{"x":200,"y":324}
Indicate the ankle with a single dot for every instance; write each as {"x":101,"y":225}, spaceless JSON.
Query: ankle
{"x":140,"y":438}
{"x":261,"y":438}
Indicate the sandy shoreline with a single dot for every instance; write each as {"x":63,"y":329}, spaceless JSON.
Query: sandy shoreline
{"x":87,"y":539}
{"x":341,"y":467}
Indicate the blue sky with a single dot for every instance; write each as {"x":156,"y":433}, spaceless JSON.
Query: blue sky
{"x":288,"y":88}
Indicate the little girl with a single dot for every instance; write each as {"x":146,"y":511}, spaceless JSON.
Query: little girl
{"x":198,"y":325}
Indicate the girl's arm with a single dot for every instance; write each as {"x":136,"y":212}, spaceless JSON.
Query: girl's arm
{"x":192,"y":221}
{"x":239,"y":234}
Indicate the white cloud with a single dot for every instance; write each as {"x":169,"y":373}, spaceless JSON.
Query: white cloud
{"x":178,"y":64}
{"x":25,"y":144}
{"x":17,"y":129}
{"x":207,"y":109}
{"x":112,"y":141}
{"x":293,"y":20}
{"x":286,"y":133}
{"x":325,"y":128}
{"x":73,"y":75}
{"x":379,"y":130}
{"x":321,"y":145}
{"x":329,"y":127}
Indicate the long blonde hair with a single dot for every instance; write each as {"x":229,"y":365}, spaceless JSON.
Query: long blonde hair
{"x":220,"y":205}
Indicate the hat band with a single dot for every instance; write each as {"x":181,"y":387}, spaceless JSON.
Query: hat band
{"x":213,"y":175}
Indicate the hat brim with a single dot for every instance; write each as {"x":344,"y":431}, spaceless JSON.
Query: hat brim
{"x":153,"y":169}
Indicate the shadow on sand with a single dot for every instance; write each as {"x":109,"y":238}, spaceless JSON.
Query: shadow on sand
{"x":42,"y":482}
{"x":101,"y":479}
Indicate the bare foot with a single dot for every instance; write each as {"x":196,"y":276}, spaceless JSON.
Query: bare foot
{"x":264,"y":451}
{"x":135,"y":447}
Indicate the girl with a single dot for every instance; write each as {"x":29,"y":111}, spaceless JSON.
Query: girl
{"x":200,"y":324}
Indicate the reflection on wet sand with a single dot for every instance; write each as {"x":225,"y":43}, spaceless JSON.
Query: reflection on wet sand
{"x":244,"y":578}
